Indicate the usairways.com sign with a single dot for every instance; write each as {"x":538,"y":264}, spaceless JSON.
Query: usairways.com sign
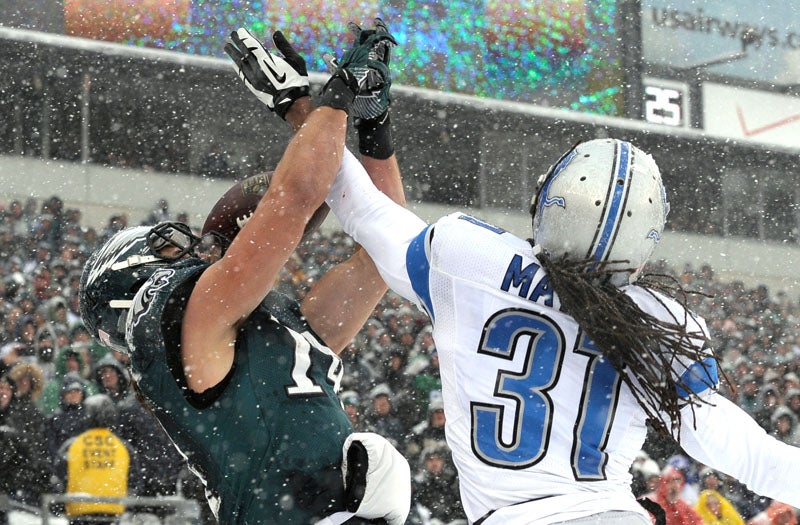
{"x":740,"y":38}
{"x":751,"y":115}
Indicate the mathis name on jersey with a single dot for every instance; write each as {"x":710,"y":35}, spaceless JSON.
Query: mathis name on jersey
{"x":528,"y":282}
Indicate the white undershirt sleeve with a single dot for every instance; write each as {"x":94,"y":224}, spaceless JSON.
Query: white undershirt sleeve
{"x":383,"y":227}
{"x":729,"y":440}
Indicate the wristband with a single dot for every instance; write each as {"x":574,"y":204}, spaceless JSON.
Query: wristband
{"x":375,"y":137}
{"x":340,"y":91}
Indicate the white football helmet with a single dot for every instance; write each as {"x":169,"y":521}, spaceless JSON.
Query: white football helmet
{"x":602,"y":200}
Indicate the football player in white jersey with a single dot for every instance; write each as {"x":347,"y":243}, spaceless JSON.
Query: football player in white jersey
{"x":555,"y":351}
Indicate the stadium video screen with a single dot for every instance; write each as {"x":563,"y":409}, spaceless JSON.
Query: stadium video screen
{"x":559,"y":53}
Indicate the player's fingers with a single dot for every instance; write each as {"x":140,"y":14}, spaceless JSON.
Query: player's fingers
{"x":331,"y":62}
{"x":283,"y":45}
{"x":235,"y":54}
{"x":354,"y":28}
{"x":237,"y":42}
{"x":252,"y":44}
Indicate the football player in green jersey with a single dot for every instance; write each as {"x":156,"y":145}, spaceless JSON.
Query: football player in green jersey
{"x":243,"y":380}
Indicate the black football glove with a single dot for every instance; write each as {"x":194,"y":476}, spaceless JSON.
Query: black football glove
{"x":374,"y":81}
{"x":276,"y":81}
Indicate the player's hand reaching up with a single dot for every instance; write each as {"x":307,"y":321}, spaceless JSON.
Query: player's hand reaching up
{"x":364,"y":70}
{"x":374,"y":80}
{"x":276,"y":81}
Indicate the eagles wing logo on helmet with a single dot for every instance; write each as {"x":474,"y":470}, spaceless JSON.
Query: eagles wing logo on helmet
{"x":109,"y":253}
{"x":144,"y":297}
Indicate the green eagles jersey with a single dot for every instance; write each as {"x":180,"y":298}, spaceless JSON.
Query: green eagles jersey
{"x":268,"y":439}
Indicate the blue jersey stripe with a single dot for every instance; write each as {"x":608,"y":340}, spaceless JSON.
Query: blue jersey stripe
{"x":615,"y":207}
{"x":419,"y":269}
{"x":699,"y":377}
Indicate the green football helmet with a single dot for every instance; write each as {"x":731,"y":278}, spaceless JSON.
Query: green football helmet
{"x":116,"y":271}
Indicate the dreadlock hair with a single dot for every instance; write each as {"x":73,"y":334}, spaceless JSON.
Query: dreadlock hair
{"x":641,"y":347}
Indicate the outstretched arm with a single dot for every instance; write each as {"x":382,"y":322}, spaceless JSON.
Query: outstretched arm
{"x":230,"y":289}
{"x":721,"y":435}
{"x":344,"y":298}
{"x":383,"y":228}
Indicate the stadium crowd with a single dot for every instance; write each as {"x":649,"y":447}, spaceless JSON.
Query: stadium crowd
{"x":49,"y":366}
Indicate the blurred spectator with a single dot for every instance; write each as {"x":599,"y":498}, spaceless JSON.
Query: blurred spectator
{"x":9,"y":356}
{"x":716,"y":510}
{"x":115,"y":223}
{"x":710,"y":479}
{"x":420,"y":354}
{"x":46,"y":347}
{"x":360,"y":374}
{"x":380,"y":418}
{"x":30,"y":383}
{"x":792,"y":400}
{"x":435,"y":485}
{"x":791,"y":382}
{"x":351,"y":404}
{"x":428,"y":433}
{"x":68,"y":420}
{"x":770,"y":399}
{"x":426,"y":381}
{"x":159,"y":463}
{"x":111,"y":378}
{"x":24,"y":473}
{"x":748,"y":397}
{"x":776,"y":514}
{"x":784,"y":425}
{"x":68,"y":361}
{"x":159,"y":213}
{"x":668,"y":496}
{"x":26,"y":335}
{"x":691,"y":476}
{"x":97,"y":462}
{"x":394,"y":367}
{"x":646,"y":475}
{"x":399,"y":382}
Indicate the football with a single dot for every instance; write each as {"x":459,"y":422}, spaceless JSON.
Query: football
{"x":232,"y":211}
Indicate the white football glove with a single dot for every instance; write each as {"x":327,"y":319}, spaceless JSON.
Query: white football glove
{"x":276,"y":81}
{"x":377,"y":478}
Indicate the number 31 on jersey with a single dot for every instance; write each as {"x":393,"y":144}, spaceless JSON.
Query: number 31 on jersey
{"x":529,"y":390}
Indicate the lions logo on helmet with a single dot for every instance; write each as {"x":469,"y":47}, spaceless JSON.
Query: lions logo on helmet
{"x":604,"y":201}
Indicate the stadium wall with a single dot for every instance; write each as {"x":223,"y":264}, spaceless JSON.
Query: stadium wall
{"x":100,"y":192}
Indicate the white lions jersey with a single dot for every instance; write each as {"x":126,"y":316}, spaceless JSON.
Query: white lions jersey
{"x":539,"y":422}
